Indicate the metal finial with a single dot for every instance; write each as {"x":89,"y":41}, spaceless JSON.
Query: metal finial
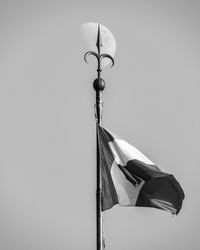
{"x":98,"y":55}
{"x":99,"y":83}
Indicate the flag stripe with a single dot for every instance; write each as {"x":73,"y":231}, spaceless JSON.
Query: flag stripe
{"x":109,"y":194}
{"x":128,"y":152}
{"x":160,"y":193}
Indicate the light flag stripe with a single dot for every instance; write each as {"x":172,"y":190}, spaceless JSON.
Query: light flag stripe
{"x":125,"y":152}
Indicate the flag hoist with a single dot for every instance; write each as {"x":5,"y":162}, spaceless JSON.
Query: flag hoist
{"x":99,"y":86}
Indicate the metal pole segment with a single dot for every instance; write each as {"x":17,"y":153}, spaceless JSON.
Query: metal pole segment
{"x":98,"y":191}
{"x":99,"y":120}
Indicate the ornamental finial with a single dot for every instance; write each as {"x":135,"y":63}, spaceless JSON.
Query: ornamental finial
{"x":99,"y":56}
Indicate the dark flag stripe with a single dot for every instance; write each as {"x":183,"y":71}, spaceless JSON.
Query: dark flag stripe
{"x":109,"y":195}
{"x":163,"y":193}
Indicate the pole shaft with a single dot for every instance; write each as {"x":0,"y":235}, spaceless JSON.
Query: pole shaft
{"x":98,"y":191}
{"x":98,"y":114}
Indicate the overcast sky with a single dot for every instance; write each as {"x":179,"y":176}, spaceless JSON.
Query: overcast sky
{"x":47,"y":126}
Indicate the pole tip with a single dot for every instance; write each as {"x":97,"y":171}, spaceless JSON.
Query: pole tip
{"x":99,"y":40}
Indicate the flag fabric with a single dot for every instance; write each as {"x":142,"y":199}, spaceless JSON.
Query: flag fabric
{"x":129,"y":178}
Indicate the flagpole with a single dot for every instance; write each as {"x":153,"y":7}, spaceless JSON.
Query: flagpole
{"x":99,"y":86}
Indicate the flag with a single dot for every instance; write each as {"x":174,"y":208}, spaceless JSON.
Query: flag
{"x":129,"y":178}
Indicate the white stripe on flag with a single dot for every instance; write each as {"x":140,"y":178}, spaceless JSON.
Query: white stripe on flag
{"x":124,"y":152}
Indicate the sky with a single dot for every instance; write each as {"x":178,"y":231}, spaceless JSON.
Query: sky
{"x":47,"y":125}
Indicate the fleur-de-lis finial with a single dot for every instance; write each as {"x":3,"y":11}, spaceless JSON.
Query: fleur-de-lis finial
{"x":98,"y":55}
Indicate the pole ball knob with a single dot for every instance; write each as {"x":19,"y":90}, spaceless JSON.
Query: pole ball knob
{"x":99,"y":84}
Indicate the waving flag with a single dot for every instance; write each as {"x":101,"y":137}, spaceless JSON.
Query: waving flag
{"x":130,"y":179}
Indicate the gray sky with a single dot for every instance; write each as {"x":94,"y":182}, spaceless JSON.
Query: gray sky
{"x":47,"y":127}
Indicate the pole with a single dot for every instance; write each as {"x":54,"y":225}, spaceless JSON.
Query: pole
{"x":99,"y":86}
{"x":98,"y":180}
